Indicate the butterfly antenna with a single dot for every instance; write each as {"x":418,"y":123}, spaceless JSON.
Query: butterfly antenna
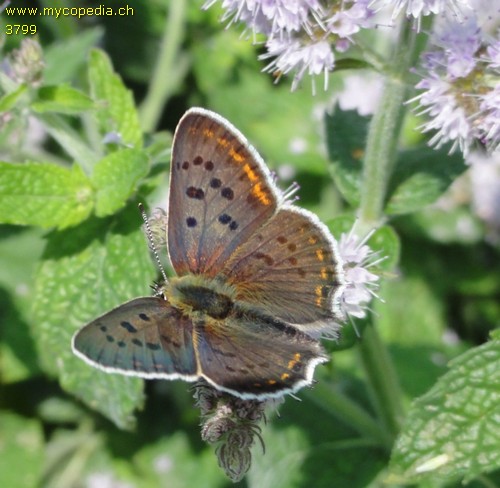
{"x":149,"y":235}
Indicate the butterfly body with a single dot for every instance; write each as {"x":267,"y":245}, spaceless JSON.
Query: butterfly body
{"x":196,"y":295}
{"x":257,"y":278}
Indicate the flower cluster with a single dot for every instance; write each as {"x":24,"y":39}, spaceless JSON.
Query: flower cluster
{"x":25,"y":64}
{"x":361,"y":284}
{"x":461,"y":91}
{"x":302,"y":35}
{"x":419,"y":8}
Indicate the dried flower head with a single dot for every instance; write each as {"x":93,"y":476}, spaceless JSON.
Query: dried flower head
{"x":231,"y":424}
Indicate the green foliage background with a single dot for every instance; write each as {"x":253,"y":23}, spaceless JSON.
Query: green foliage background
{"x":71,"y":247}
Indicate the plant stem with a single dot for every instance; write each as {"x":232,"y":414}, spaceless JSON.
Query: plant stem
{"x":169,"y":69}
{"x":348,"y":411}
{"x":380,"y":156}
{"x":384,"y":131}
{"x":382,"y":380}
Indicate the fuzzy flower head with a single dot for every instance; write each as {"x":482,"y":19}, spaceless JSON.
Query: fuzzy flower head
{"x":418,"y":8}
{"x":25,"y":64}
{"x":270,"y":17}
{"x":361,"y":284}
{"x":301,"y":35}
{"x":460,"y":82}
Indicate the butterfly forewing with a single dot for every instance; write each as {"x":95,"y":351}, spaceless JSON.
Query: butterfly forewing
{"x":254,"y":356}
{"x":290,"y":268}
{"x":144,"y":337}
{"x":220,"y":193}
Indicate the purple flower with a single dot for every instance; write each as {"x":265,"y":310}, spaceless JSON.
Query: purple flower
{"x":270,"y":17}
{"x":493,"y":53}
{"x":460,"y":86}
{"x":489,"y":122}
{"x":314,"y":59}
{"x":348,"y":21}
{"x":301,"y":34}
{"x":447,"y":117}
{"x":459,"y":42}
{"x":418,"y":8}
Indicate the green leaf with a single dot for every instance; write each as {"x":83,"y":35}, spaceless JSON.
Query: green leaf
{"x":308,"y":447}
{"x":21,"y":451}
{"x":85,"y":272}
{"x":44,"y":195}
{"x":20,"y":250}
{"x":10,"y":99}
{"x":346,"y":133}
{"x":412,"y":313}
{"x":453,"y":431}
{"x":118,"y":112}
{"x":61,"y":99}
{"x":70,"y":140}
{"x":421,"y":176}
{"x":385,"y":242}
{"x":351,"y":63}
{"x":7,"y":84}
{"x":64,"y":59}
{"x":183,"y":468}
{"x":115,"y":178}
{"x":446,"y":224}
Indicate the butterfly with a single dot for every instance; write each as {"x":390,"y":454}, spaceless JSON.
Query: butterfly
{"x":258,"y":279}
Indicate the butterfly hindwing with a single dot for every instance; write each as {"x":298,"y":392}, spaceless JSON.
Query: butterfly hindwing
{"x":254,"y":356}
{"x":290,"y":268}
{"x":144,"y":337}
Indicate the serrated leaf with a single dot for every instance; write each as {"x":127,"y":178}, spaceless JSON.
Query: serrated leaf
{"x":346,"y":133}
{"x":21,"y":451}
{"x":61,"y":99}
{"x":44,"y":195}
{"x":453,"y":431}
{"x":118,"y":112}
{"x":115,"y":178}
{"x":421,"y":177}
{"x":85,"y":272}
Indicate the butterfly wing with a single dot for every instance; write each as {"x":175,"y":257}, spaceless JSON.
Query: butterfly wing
{"x":291,"y":269}
{"x":144,"y":337}
{"x":220,"y":193}
{"x":254,"y":356}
